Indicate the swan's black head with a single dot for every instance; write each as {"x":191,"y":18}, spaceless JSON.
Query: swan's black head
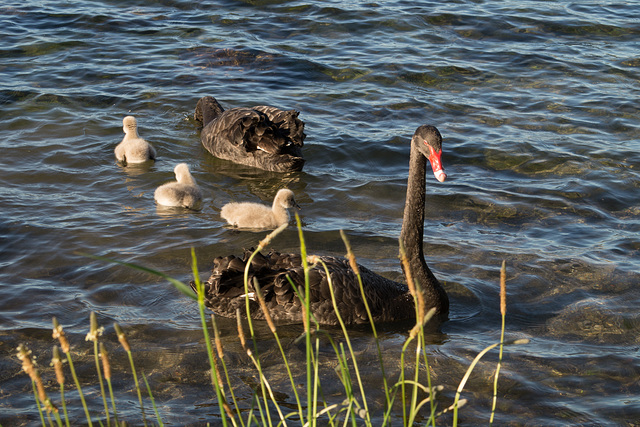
{"x":428,"y":140}
{"x":207,"y":109}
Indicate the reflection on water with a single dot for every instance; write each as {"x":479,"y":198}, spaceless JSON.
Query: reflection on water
{"x":536,"y":107}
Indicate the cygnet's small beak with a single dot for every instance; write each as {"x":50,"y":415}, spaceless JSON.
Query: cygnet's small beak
{"x":297,"y":206}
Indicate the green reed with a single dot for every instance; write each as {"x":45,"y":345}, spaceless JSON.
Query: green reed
{"x":265,"y":409}
{"x":124,"y":342}
{"x":93,"y":335}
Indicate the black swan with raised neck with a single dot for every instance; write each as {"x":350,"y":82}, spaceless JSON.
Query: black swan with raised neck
{"x":388,"y":300}
{"x":262,"y":136}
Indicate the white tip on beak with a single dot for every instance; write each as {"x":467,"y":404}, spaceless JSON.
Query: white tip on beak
{"x":440,"y":175}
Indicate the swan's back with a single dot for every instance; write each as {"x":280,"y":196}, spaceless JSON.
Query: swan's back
{"x":133,"y":149}
{"x":224,"y":291}
{"x":264,"y":137}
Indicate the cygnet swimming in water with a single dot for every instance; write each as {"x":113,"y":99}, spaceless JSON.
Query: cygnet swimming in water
{"x":183,"y":193}
{"x":256,"y":215}
{"x":133,"y":149}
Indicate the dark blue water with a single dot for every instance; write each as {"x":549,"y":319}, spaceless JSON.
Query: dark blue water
{"x":538,"y":105}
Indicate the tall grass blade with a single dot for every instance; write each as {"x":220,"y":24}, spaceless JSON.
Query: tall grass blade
{"x":153,"y":401}
{"x":274,"y":331}
{"x":124,"y":342}
{"x":106,"y":368}
{"x":207,"y":340}
{"x":311,"y":387}
{"x":354,"y":266}
{"x":470,"y":369}
{"x":93,"y":335}
{"x":56,"y":361}
{"x":185,"y":289}
{"x":346,"y":336}
{"x":58,"y":333}
{"x":503,"y":313}
{"x":220,"y":351}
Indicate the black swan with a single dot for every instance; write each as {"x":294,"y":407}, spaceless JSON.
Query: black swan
{"x":184,"y":192}
{"x":389,"y":301}
{"x":133,"y":149}
{"x":259,"y":216}
{"x":263,"y":137}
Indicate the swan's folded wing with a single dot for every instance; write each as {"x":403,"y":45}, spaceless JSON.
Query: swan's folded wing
{"x":287,"y":122}
{"x":233,"y":127}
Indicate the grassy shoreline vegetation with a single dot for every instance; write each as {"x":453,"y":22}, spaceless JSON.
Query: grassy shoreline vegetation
{"x":410,"y":394}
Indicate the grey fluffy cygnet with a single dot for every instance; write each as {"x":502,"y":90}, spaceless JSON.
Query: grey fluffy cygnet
{"x":133,"y":149}
{"x":259,"y":216}
{"x":183,"y":193}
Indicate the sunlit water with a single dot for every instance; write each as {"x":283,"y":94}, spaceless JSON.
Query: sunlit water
{"x":538,"y":105}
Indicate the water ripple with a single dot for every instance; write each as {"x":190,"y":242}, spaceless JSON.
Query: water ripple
{"x":536,"y":103}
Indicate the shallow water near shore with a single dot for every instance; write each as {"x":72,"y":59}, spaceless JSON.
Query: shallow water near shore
{"x":537,"y":103}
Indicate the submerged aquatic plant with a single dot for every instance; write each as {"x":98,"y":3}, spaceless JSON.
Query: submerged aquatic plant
{"x":353,"y":407}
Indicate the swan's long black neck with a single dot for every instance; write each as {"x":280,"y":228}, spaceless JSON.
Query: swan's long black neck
{"x":208,"y":109}
{"x":412,"y":234}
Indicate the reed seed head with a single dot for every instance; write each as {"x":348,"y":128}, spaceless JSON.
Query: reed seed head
{"x":29,"y":366}
{"x":503,"y":288}
{"x":56,"y":361}
{"x":228,"y":410}
{"x":350,"y":255}
{"x":313,"y":260}
{"x":104,"y":356}
{"x":94,"y":331}
{"x":303,"y":306}
{"x":24,"y":354}
{"x":58,"y":333}
{"x":267,"y":240}
{"x":218,"y":375}
{"x":216,"y":334}
{"x":414,"y":287}
{"x":122,"y":338}
{"x":243,"y":342}
{"x":263,"y":306}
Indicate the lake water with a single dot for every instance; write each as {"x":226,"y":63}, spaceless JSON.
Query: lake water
{"x":537,"y":102}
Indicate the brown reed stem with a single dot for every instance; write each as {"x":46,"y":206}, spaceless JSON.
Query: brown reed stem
{"x":93,"y":335}
{"x":503,"y":288}
{"x":28,"y":366}
{"x":413,"y":286}
{"x":56,"y":361}
{"x":58,"y":333}
{"x":216,"y":335}
{"x":263,"y":306}
{"x":243,"y":342}
{"x":122,"y":338}
{"x":104,"y":357}
{"x":125,"y":344}
{"x":503,"y":312}
{"x":106,"y":367}
{"x":218,"y":343}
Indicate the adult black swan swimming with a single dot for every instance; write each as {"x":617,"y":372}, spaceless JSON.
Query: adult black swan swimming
{"x":389,"y":301}
{"x":263,"y":137}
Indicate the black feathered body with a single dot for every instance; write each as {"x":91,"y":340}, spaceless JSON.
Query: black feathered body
{"x":264,"y":137}
{"x":225,"y":290}
{"x":389,"y":301}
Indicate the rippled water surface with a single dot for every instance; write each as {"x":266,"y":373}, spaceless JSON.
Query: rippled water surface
{"x":538,"y":105}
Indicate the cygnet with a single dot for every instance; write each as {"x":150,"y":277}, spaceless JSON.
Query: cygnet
{"x":258,"y":216}
{"x":133,"y":149}
{"x":183,"y":193}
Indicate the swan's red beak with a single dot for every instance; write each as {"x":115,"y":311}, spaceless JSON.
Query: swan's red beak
{"x":435,"y":158}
